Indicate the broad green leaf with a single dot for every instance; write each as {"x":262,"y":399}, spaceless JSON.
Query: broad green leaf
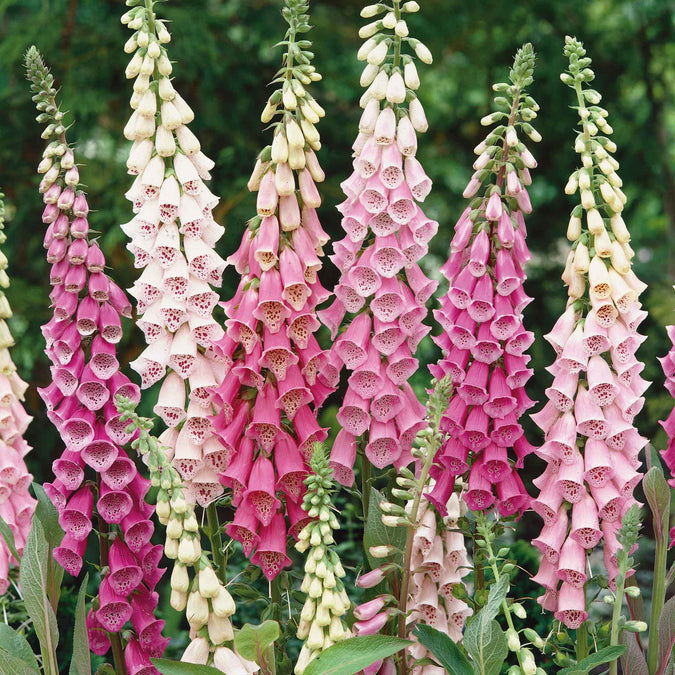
{"x":355,"y":654}
{"x":447,"y":652}
{"x":486,"y":643}
{"x":7,"y":534}
{"x":252,"y":641}
{"x":17,"y":645}
{"x":378,"y":534}
{"x":606,"y":655}
{"x":657,"y":493}
{"x":13,"y":665}
{"x":167,"y":667}
{"x":496,"y":596}
{"x":47,"y":514}
{"x":666,"y":631}
{"x":81,"y":661}
{"x":633,"y":659}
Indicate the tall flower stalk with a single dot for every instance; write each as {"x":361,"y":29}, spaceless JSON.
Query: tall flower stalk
{"x":382,"y":290}
{"x":591,"y":444}
{"x":277,"y":375}
{"x":16,"y":504}
{"x":81,"y":342}
{"x":173,"y":237}
{"x":484,"y":340}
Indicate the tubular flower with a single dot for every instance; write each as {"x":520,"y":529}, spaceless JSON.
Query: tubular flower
{"x":484,"y":340}
{"x":591,"y":445}
{"x":321,"y":623}
{"x":173,"y":236}
{"x":81,"y":338}
{"x":16,"y":504}
{"x":440,"y":561}
{"x":668,"y":365}
{"x":277,"y":375}
{"x":382,"y":287}
{"x":205,"y":600}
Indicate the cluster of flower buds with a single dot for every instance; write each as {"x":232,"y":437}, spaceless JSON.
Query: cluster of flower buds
{"x":16,"y":504}
{"x":382,"y":288}
{"x":204,"y":598}
{"x":81,"y":342}
{"x":277,"y":375}
{"x":173,"y":236}
{"x":484,"y":340}
{"x":439,"y":561}
{"x":321,"y":622}
{"x":591,"y":445}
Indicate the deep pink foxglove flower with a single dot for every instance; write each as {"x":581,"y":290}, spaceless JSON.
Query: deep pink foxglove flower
{"x":81,"y":338}
{"x":16,"y":503}
{"x":277,"y":376}
{"x":591,"y":444}
{"x":484,"y":340}
{"x":382,"y":291}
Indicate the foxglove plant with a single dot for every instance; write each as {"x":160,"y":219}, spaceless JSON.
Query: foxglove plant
{"x":277,"y":376}
{"x":484,"y":340}
{"x":591,"y":444}
{"x":173,"y":236}
{"x":81,"y":338}
{"x":16,"y":504}
{"x":382,"y":288}
{"x":208,"y":603}
{"x":321,"y":622}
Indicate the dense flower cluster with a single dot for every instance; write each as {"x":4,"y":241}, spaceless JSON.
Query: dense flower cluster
{"x":16,"y":504}
{"x":484,"y":340}
{"x":591,"y":443}
{"x":439,"y":561}
{"x":204,"y":598}
{"x":173,"y":235}
{"x":668,"y":365}
{"x":382,"y":287}
{"x":81,"y":342}
{"x":277,"y":375}
{"x":321,"y":621}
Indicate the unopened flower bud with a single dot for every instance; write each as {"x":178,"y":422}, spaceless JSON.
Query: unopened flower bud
{"x":209,"y":586}
{"x":180,"y":580}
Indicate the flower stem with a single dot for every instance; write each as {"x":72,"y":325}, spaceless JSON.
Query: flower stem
{"x":216,"y":541}
{"x":582,"y":642}
{"x":658,"y":597}
{"x":616,"y":615}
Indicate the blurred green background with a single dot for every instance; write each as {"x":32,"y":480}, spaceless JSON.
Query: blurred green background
{"x":225,"y":58}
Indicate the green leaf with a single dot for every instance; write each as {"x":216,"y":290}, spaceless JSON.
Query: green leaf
{"x":496,"y":596}
{"x":447,"y":652}
{"x":486,"y":643}
{"x":666,"y":632}
{"x":657,"y":492}
{"x":12,"y":665}
{"x":378,"y":534}
{"x":167,"y":667}
{"x":633,"y":659}
{"x":7,"y":534}
{"x":81,"y":661}
{"x":355,"y":654}
{"x":253,"y":641}
{"x":17,"y":645}
{"x":33,"y":578}
{"x":606,"y":655}
{"x":48,"y":516}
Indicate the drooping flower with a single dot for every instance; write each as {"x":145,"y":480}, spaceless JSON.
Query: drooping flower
{"x":484,"y":340}
{"x":382,"y":288}
{"x":81,"y":338}
{"x":172,"y":238}
{"x":591,"y":444}
{"x":277,"y":375}
{"x":16,"y":503}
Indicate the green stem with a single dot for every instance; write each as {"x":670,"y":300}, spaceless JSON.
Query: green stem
{"x":616,"y":616}
{"x":658,"y":597}
{"x":365,"y":486}
{"x":582,"y":642}
{"x":216,"y":542}
{"x":397,"y":39}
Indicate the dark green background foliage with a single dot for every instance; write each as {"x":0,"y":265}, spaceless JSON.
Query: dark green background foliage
{"x":225,"y":58}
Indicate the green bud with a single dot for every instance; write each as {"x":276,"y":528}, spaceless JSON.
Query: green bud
{"x":635,"y":626}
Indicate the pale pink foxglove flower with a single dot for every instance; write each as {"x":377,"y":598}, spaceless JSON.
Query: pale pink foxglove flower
{"x":591,"y":444}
